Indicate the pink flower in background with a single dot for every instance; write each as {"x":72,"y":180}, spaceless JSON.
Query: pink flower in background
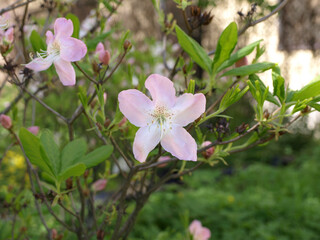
{"x":34,"y":130}
{"x":162,"y":119}
{"x":99,"y":185}
{"x":209,"y":151}
{"x":198,"y":232}
{"x":62,"y":49}
{"x":6,"y":33}
{"x":242,"y":62}
{"x":104,"y":55}
{"x":5,"y":121}
{"x":161,"y":159}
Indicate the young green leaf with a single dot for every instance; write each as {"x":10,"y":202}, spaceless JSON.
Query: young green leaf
{"x":249,"y":69}
{"x":51,"y":149}
{"x":195,"y":51}
{"x":96,"y":156}
{"x":310,"y":90}
{"x":253,"y":78}
{"x":72,"y":152}
{"x":238,"y":55}
{"x":31,"y":146}
{"x":226,"y":44}
{"x":73,"y":171}
{"x":37,"y":42}
{"x":278,"y":84}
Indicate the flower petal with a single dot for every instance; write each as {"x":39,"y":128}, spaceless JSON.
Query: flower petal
{"x":135,"y":106}
{"x":9,"y":35}
{"x":195,"y":226}
{"x":161,"y":89}
{"x":66,"y":72}
{"x":39,"y":64}
{"x":49,"y":38}
{"x":145,"y":140}
{"x":63,"y":26}
{"x":180,"y":144}
{"x":188,"y":108}
{"x":72,"y":49}
{"x":99,"y":48}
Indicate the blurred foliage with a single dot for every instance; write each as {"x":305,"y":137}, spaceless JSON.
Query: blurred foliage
{"x":258,"y":201}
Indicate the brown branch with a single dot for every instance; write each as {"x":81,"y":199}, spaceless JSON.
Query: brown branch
{"x":14,"y":6}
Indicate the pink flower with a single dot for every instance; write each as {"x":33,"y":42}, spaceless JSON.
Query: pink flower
{"x":104,"y":55}
{"x":6,"y":33}
{"x":207,"y":153}
{"x":99,"y":185}
{"x":162,"y":119}
{"x":5,"y":121}
{"x":61,"y":51}
{"x":34,"y":130}
{"x":198,"y":232}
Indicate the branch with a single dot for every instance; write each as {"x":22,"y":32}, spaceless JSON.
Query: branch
{"x":14,"y":6}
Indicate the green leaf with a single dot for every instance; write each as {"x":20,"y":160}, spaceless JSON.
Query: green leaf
{"x":308,"y":91}
{"x":253,"y":78}
{"x":76,"y":24}
{"x":72,"y":152}
{"x":249,"y":69}
{"x":191,"y":86}
{"x":232,"y":96}
{"x":238,"y":55}
{"x":97,"y":156}
{"x":51,"y":149}
{"x":93,"y":42}
{"x":195,"y":51}
{"x":37,"y":42}
{"x":226,"y":44}
{"x":72,"y":171}
{"x":31,"y":146}
{"x":278,"y":84}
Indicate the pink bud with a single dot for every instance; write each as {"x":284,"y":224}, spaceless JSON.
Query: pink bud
{"x":207,"y":153}
{"x":161,"y":159}
{"x":104,"y":55}
{"x":34,"y":130}
{"x":122,"y":122}
{"x":242,"y":62}
{"x":54,"y":233}
{"x":198,"y":232}
{"x":105,"y":96}
{"x":99,"y":185}
{"x":5,"y":121}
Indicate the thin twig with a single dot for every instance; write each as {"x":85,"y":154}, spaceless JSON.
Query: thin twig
{"x":85,"y":74}
{"x":14,"y":6}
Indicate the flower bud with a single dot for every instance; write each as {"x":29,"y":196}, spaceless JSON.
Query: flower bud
{"x":99,"y":185}
{"x":100,"y":234}
{"x":5,"y":121}
{"x":207,"y":153}
{"x":242,"y":62}
{"x":54,"y":233}
{"x":122,"y":122}
{"x":86,"y":173}
{"x":127,"y":45}
{"x":34,"y":130}
{"x":161,"y":159}
{"x":69,"y":183}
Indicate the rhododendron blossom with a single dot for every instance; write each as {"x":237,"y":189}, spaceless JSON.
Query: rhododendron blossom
{"x":198,"y":232}
{"x":162,"y":119}
{"x":62,"y":49}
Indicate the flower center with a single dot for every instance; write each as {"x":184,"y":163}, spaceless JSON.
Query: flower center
{"x":52,"y":52}
{"x":162,"y":117}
